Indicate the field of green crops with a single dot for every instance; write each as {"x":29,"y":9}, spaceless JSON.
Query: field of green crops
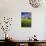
{"x":26,"y":22}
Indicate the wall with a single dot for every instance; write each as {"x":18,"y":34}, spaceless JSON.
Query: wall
{"x":45,"y":28}
{"x":13,"y":8}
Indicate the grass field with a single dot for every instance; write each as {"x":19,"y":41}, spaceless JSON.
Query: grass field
{"x":26,"y":22}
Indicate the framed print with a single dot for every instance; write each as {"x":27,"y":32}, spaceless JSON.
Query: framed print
{"x":26,"y":19}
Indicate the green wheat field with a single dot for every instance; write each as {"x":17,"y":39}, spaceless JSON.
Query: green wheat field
{"x":26,"y":22}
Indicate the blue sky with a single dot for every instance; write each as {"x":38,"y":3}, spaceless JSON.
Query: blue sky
{"x":27,"y":14}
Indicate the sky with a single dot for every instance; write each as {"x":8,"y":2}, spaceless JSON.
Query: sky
{"x":26,"y":14}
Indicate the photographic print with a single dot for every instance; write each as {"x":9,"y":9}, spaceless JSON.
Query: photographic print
{"x":26,"y":19}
